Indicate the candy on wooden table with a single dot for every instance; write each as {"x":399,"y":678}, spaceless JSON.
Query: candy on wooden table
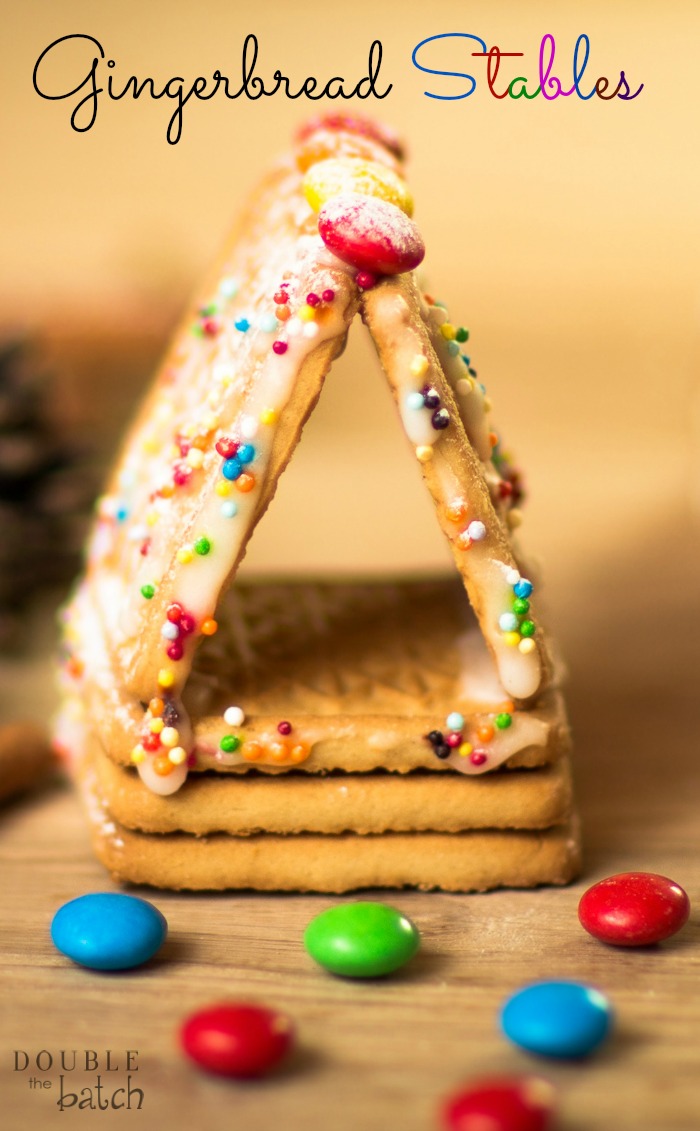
{"x":634,"y":909}
{"x":237,"y":1039}
{"x":361,"y":939}
{"x":501,"y":1103}
{"x":558,"y":1019}
{"x":108,"y":930}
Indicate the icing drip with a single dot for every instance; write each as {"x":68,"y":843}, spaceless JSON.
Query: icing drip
{"x":482,"y":742}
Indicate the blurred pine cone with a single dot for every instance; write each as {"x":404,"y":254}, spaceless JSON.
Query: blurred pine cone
{"x":45,"y":495}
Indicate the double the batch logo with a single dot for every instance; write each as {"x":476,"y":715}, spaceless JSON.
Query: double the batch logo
{"x":84,"y":1079}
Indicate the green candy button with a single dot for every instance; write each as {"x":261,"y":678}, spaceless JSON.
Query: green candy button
{"x":361,"y":940}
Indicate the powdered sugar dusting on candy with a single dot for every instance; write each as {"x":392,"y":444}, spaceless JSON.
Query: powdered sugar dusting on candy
{"x":366,"y":127}
{"x":371,"y":234}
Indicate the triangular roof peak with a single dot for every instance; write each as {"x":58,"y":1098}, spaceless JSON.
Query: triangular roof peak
{"x":241,"y":377}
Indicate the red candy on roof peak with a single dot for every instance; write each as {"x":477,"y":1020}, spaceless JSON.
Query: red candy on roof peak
{"x":370,"y":234}
{"x":367,"y":127}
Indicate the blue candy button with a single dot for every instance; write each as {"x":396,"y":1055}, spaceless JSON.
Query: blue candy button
{"x":559,"y":1019}
{"x":108,"y":931}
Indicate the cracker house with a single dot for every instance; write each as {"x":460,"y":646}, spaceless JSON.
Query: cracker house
{"x":314,"y":735}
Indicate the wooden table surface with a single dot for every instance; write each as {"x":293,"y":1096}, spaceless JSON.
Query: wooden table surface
{"x":579,"y":279}
{"x":382,"y":1053}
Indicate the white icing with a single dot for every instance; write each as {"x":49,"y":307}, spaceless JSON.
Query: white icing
{"x":226,"y":759}
{"x":521,"y":673}
{"x":416,"y":421}
{"x":524,"y":731}
{"x":158,"y":784}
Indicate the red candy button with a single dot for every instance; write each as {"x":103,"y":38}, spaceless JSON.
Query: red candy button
{"x":366,"y":127}
{"x":634,"y":909}
{"x":237,"y":1040}
{"x":323,"y":143}
{"x":370,"y":233}
{"x":505,"y":1103}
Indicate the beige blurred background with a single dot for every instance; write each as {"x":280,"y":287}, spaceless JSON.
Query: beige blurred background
{"x":565,"y":234}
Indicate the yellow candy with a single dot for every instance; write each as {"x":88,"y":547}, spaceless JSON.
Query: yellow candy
{"x":223,"y":487}
{"x":511,"y":639}
{"x":353,"y":174}
{"x":156,"y":725}
{"x":306,"y":313}
{"x":185,"y":555}
{"x":424,"y":453}
{"x":166,"y":677}
{"x":465,"y":749}
{"x":448,"y":331}
{"x":268,"y":416}
{"x":138,"y":754}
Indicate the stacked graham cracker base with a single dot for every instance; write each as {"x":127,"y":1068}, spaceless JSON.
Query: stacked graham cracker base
{"x":370,"y":668}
